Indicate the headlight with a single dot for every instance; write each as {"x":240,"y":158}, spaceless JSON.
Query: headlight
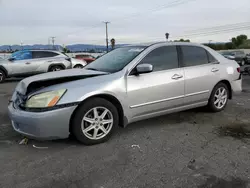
{"x":43,"y":100}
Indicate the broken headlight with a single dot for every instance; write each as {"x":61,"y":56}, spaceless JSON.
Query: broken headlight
{"x":43,"y":100}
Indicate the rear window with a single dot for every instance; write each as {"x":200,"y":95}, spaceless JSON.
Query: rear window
{"x":194,"y":55}
{"x":43,"y":54}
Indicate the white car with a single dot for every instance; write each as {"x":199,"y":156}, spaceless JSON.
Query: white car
{"x":31,"y":62}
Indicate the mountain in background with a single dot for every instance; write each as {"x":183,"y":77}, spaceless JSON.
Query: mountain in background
{"x":72,"y":48}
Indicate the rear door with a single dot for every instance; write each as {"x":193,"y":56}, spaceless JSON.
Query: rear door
{"x":39,"y":58}
{"x":201,"y":71}
{"x":160,"y":90}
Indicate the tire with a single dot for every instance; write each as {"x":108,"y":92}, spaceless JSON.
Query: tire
{"x":212,"y":105}
{"x":2,"y":76}
{"x":242,"y":63}
{"x":84,"y":119}
{"x":78,"y":67}
{"x":55,"y":68}
{"x":248,"y":71}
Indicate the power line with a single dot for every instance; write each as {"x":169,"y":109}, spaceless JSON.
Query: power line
{"x":216,"y":31}
{"x":161,"y":7}
{"x":220,"y":27}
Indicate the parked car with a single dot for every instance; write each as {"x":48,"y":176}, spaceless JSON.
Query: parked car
{"x":85,"y":57}
{"x":248,"y":58}
{"x":31,"y":62}
{"x":228,"y":55}
{"x":237,"y":55}
{"x":128,"y":84}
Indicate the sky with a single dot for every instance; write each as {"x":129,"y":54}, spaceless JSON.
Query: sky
{"x":131,"y":21}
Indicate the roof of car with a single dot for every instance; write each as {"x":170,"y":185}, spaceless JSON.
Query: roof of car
{"x":43,"y":51}
{"x":166,"y":43}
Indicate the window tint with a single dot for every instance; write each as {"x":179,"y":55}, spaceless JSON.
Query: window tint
{"x":21,"y":55}
{"x":162,"y":58}
{"x":43,"y":54}
{"x":211,"y":58}
{"x":193,"y":56}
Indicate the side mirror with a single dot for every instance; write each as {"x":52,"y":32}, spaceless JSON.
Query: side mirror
{"x":144,"y":68}
{"x":11,"y":59}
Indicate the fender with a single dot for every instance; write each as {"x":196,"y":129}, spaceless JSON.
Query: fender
{"x":4,"y":69}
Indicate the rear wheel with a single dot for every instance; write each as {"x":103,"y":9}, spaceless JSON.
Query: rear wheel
{"x":219,"y":97}
{"x":55,"y":68}
{"x":242,"y":63}
{"x":95,"y":121}
{"x":78,"y":67}
{"x":2,"y":76}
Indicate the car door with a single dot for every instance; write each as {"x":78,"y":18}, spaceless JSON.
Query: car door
{"x":41,"y":57}
{"x":160,"y":90}
{"x":19,"y":64}
{"x":201,"y":71}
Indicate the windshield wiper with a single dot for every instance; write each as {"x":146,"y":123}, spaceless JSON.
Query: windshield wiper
{"x":92,"y":69}
{"x":98,"y":70}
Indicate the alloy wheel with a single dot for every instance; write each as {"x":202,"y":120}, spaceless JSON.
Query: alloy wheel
{"x":56,"y":69}
{"x":220,"y":97}
{"x":1,"y":76}
{"x":97,"y":123}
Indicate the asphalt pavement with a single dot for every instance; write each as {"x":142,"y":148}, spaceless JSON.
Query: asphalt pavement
{"x":191,"y":149}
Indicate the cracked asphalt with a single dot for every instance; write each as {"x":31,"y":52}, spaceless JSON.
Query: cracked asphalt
{"x":191,"y":149}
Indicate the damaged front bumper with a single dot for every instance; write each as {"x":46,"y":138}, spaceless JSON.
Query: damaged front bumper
{"x":46,"y":125}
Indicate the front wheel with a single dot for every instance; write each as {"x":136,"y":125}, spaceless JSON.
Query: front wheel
{"x":55,"y":68}
{"x":95,"y":121}
{"x":219,"y":98}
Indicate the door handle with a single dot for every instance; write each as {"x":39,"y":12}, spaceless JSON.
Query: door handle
{"x":27,"y":63}
{"x":215,"y":70}
{"x":176,"y":76}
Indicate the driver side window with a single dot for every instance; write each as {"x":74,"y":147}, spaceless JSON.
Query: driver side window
{"x":162,"y":58}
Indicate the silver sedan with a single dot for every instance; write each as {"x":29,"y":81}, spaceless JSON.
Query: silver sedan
{"x":128,"y":84}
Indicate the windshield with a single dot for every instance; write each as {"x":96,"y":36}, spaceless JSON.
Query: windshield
{"x":115,"y":60}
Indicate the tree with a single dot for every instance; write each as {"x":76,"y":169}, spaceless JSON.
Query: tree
{"x":182,"y":40}
{"x":239,"y":40}
{"x":65,"y":49}
{"x":112,"y":43}
{"x":229,"y":45}
{"x":92,"y":51}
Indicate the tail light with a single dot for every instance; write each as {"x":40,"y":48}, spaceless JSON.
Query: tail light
{"x":238,"y":69}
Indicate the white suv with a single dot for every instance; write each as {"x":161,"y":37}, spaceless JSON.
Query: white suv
{"x":31,"y":62}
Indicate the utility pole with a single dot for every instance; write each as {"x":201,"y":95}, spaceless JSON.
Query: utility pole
{"x":107,"y":40}
{"x":53,"y":42}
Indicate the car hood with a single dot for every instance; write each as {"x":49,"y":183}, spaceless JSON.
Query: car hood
{"x":34,"y":83}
